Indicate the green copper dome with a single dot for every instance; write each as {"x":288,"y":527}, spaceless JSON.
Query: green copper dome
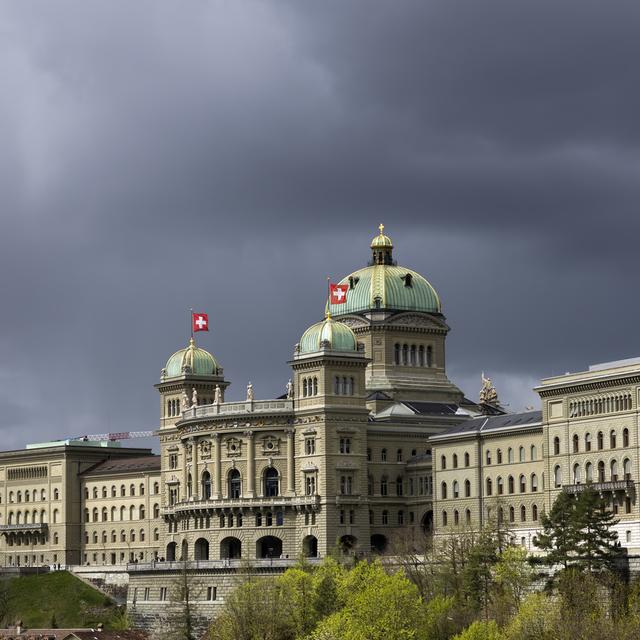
{"x":328,"y":334}
{"x":191,"y":361}
{"x":385,"y":285}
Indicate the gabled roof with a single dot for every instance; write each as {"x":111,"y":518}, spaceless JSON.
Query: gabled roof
{"x":486,"y":424}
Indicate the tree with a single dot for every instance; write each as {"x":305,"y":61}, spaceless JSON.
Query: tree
{"x":596,"y":542}
{"x":513,"y":576}
{"x":558,"y":537}
{"x":478,"y":571}
{"x":481,"y":630}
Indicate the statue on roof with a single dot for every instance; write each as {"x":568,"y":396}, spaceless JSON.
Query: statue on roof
{"x":488,"y":393}
{"x":289,"y":388}
{"x":194,"y":398}
{"x":184,"y":404}
{"x":249,"y":392}
{"x":217,"y":398}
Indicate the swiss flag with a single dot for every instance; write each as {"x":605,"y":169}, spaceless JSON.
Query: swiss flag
{"x":200,"y":321}
{"x":338,"y":293}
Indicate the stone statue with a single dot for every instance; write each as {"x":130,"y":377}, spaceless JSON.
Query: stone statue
{"x":205,"y":448}
{"x":488,"y":393}
{"x":250,"y":392}
{"x":217,"y":398}
{"x":184,"y":405}
{"x":194,"y":398}
{"x":289,"y":389}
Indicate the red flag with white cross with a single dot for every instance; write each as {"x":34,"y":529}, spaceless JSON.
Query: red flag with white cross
{"x":338,"y":293}
{"x":199,"y":321}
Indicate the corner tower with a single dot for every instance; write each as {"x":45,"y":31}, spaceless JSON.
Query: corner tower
{"x":188,"y":370}
{"x":397,"y":315}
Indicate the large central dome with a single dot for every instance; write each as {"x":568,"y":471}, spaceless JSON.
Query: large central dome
{"x":385,"y":285}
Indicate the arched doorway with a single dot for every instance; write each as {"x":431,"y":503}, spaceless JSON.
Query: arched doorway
{"x":378,"y":543}
{"x":310,"y":547}
{"x":201,"y":549}
{"x":427,"y":522}
{"x":269,"y":547}
{"x":184,"y":551}
{"x":348,"y":544}
{"x":230,"y":548}
{"x":171,"y":552}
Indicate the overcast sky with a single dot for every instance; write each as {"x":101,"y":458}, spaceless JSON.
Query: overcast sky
{"x":227,"y":156}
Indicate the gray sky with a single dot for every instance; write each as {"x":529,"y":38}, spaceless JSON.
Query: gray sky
{"x":229,"y":155}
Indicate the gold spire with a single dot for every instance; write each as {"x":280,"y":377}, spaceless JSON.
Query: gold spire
{"x":381,"y":227}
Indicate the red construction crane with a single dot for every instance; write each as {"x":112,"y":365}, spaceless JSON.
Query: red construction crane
{"x":119,"y":435}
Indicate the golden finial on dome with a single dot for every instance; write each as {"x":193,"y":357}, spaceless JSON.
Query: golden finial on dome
{"x":381,"y":227}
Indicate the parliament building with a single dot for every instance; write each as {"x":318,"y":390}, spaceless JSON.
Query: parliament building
{"x":371,"y":443}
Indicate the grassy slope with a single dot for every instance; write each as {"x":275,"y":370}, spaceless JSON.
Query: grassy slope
{"x":34,"y":600}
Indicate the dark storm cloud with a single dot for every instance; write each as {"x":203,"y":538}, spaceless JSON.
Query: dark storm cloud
{"x":229,"y":156}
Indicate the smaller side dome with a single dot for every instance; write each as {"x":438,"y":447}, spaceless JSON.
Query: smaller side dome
{"x":191,"y":361}
{"x":328,"y":334}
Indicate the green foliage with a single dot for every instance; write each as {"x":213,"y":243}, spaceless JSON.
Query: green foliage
{"x":481,"y":630}
{"x":59,"y":596}
{"x":558,"y":532}
{"x":536,"y":619}
{"x":439,"y":618}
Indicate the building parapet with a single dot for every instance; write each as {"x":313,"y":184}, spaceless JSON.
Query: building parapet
{"x":31,"y":528}
{"x":191,"y":565}
{"x":234,"y":408}
{"x":614,"y":485}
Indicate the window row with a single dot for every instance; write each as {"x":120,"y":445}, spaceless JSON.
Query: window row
{"x":93,"y":516}
{"x":600,"y":405}
{"x":522,"y":484}
{"x":414,"y":486}
{"x":501,"y":517}
{"x":384,"y":518}
{"x":343,"y":386}
{"x":533,"y":455}
{"x":309,"y":387}
{"x":385,"y":458}
{"x":413,"y":356}
{"x":588,"y":441}
{"x":32,"y":496}
{"x":30,"y":517}
{"x":123,"y":491}
{"x":104,"y":538}
{"x":577,"y":476}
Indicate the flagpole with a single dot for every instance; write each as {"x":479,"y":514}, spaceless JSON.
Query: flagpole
{"x":328,"y":296}
{"x":191,"y":321}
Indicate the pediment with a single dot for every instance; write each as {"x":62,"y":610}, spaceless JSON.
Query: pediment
{"x":417,"y":320}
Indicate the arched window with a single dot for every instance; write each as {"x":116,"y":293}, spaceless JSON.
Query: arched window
{"x":156,"y":510}
{"x":399,"y":455}
{"x":612,"y":439}
{"x":104,"y":492}
{"x":456,"y":517}
{"x":104,"y":514}
{"x":443,"y":462}
{"x":512,"y":514}
{"x":600,"y":471}
{"x":466,"y":459}
{"x":510,"y":455}
{"x":94,"y":493}
{"x":455,"y":460}
{"x":399,"y":486}
{"x":156,"y":487}
{"x":522,"y":483}
{"x":132,"y":513}
{"x":104,"y":537}
{"x":304,"y":388}
{"x":414,"y":359}
{"x":467,"y":489}
{"x":383,"y":455}
{"x":141,"y":489}
{"x":315,"y":386}
{"x":600,"y":440}
{"x":113,"y":491}
{"x":500,"y":485}
{"x":587,"y":442}
{"x":405,"y":354}
{"x":534,"y":482}
{"x":385,"y":517}
{"x":123,"y":491}
{"x":383,"y":486}
{"x":523,"y":513}
{"x":614,"y":470}
{"x":511,"y":485}
{"x":113,"y":536}
{"x":557,"y":476}
{"x":499,"y":456}
{"x":625,"y":437}
{"x":627,"y":469}
{"x":444,"y":518}
{"x":488,"y":457}
{"x":235,"y":484}
{"x":429,"y":356}
{"x":55,"y":516}
{"x":141,"y":535}
{"x":534,"y":452}
{"x":576,"y":474}
{"x":467,"y":514}
{"x":95,"y":537}
{"x":588,"y":472}
{"x":443,"y":491}
{"x":95,"y":514}
{"x":271,"y":482}
{"x":556,"y":446}
{"x":56,"y":494}
{"x":141,"y":512}
{"x":521,"y":454}
{"x":534,"y":512}
{"x":189,"y":485}
{"x":123,"y":536}
{"x":500,"y":515}
{"x":489,"y":487}
{"x":576,"y":443}
{"x":397,"y":353}
{"x":456,"y":489}
{"x":421,"y":356}
{"x":113,"y":514}
{"x":206,"y":486}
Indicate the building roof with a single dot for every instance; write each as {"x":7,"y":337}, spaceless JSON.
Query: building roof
{"x":190,"y":361}
{"x":335,"y":335}
{"x":125,"y":465}
{"x":486,"y":424}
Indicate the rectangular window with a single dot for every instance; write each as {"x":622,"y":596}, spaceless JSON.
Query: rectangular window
{"x":345,"y":445}
{"x":212,"y":593}
{"x":146,"y":593}
{"x":351,"y":516}
{"x":341,"y":516}
{"x":310,"y":446}
{"x":310,"y":485}
{"x":346,"y":485}
{"x":173,"y":461}
{"x":163,"y":593}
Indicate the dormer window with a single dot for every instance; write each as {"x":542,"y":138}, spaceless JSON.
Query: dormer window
{"x":408,"y":280}
{"x":353,"y":281}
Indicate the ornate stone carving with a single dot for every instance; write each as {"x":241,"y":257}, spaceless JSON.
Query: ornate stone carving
{"x":205,"y":449}
{"x":488,"y":393}
{"x":188,"y":450}
{"x":270,"y":445}
{"x":234,"y":447}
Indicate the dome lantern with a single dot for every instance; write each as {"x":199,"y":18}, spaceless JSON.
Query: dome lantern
{"x":382,"y":248}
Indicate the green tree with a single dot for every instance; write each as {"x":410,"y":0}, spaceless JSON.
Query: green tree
{"x":513,"y":577}
{"x":596,"y":541}
{"x":537,"y":619}
{"x":478,"y":572}
{"x":481,"y":630}
{"x":558,"y":537}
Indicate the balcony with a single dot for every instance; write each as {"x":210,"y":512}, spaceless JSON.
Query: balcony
{"x":236,"y":408}
{"x":23,"y":528}
{"x":600,"y":487}
{"x":242,"y":503}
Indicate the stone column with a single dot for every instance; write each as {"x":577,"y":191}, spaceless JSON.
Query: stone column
{"x":194,"y":469}
{"x":251,"y":470}
{"x":217,"y":467}
{"x":183,"y":484}
{"x":291,"y":484}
